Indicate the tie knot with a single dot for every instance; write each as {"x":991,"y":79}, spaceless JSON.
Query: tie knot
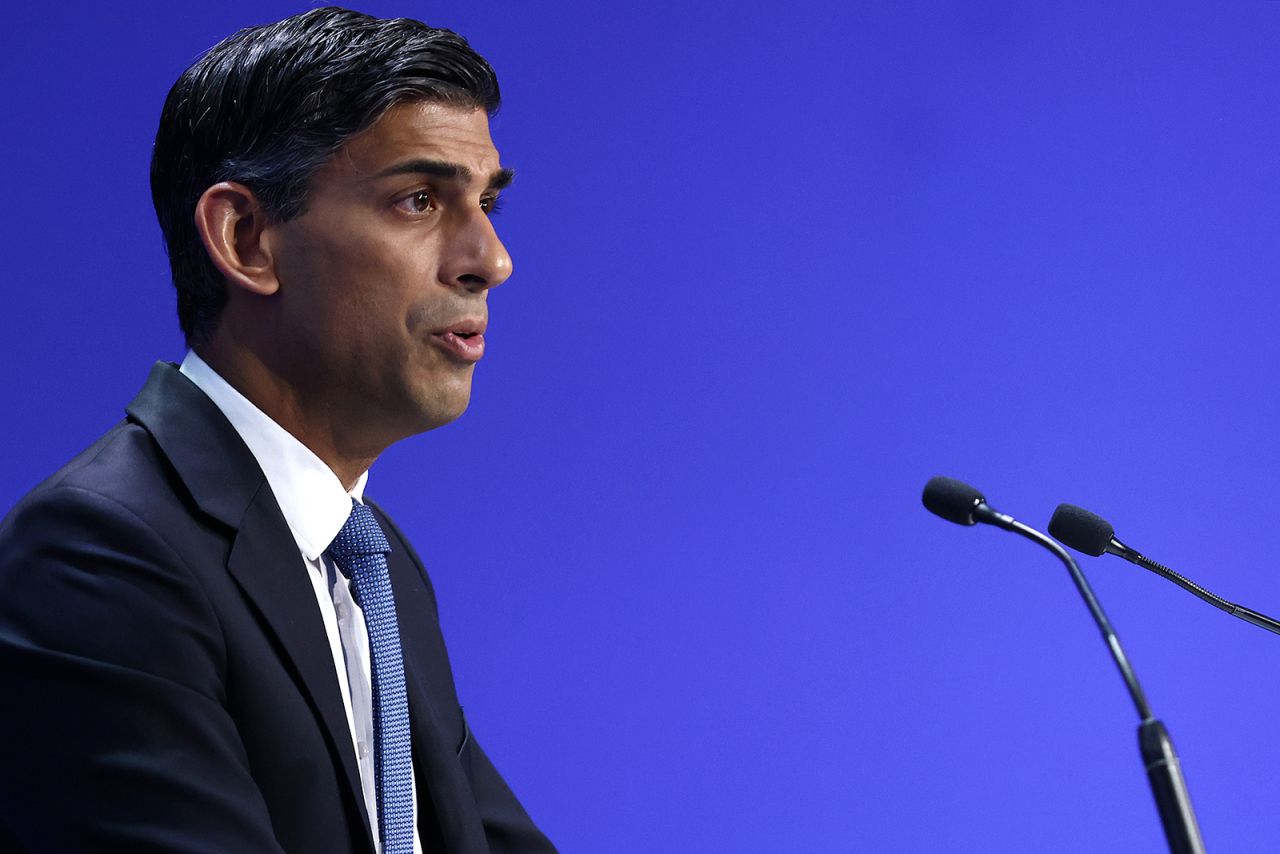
{"x":360,"y":536}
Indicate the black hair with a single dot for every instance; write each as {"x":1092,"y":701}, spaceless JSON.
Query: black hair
{"x":269,"y":105}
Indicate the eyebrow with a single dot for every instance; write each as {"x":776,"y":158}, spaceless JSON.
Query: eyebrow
{"x":499,"y":179}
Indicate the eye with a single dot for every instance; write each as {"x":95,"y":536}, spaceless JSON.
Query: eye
{"x":491,"y":205}
{"x":419,"y":201}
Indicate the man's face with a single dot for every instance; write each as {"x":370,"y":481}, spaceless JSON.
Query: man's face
{"x":383,"y":280}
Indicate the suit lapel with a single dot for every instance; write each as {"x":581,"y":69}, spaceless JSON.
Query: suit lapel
{"x":226,"y":482}
{"x":441,"y":780}
{"x":269,"y":570}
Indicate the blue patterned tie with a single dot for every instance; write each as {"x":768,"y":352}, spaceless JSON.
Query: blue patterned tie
{"x":360,"y":550}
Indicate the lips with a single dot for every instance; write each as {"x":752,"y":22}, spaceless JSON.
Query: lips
{"x":463,"y":340}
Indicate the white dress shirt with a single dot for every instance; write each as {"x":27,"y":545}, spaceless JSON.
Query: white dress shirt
{"x":315,"y":506}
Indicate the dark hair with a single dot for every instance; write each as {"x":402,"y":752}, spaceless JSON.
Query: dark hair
{"x":269,"y":105}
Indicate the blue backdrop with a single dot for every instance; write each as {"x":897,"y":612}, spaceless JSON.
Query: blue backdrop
{"x":776,"y":265}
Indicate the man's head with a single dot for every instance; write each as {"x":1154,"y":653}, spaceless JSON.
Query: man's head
{"x":270,"y":104}
{"x":325,"y":185}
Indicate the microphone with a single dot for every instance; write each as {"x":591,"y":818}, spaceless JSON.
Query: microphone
{"x":959,"y":502}
{"x":1090,"y":533}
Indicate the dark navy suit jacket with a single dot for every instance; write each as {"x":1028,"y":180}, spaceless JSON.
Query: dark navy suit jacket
{"x":168,"y":683}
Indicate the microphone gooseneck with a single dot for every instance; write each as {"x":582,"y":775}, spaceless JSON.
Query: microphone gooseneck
{"x":1089,"y":533}
{"x":958,"y":502}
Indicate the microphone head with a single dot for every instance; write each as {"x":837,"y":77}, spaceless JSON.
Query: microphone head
{"x":953,"y":500}
{"x":1081,"y":530}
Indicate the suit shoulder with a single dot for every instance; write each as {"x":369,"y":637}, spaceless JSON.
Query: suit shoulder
{"x":116,"y":505}
{"x":123,"y":474}
{"x":103,"y":538}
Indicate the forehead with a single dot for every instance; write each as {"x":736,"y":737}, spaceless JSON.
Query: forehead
{"x":423,"y":130}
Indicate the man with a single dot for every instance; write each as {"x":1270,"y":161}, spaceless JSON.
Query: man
{"x":209,"y":640}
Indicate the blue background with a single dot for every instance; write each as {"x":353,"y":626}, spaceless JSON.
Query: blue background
{"x":776,"y":265}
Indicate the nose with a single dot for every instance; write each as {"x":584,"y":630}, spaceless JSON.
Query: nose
{"x":475,"y":258}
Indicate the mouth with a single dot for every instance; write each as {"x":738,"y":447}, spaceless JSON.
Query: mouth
{"x":463,"y":340}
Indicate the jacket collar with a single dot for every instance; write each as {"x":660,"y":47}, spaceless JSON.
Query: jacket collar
{"x":209,"y":456}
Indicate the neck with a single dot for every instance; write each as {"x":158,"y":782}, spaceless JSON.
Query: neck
{"x":317,"y":426}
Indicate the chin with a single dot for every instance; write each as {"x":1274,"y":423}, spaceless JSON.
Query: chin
{"x":442,"y":407}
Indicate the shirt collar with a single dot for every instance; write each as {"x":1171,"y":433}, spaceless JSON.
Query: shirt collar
{"x":311,"y":498}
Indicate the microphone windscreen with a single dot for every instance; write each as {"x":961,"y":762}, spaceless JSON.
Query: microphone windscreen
{"x":1083,"y":531}
{"x":953,"y":500}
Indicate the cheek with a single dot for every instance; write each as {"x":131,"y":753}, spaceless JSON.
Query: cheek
{"x":343,"y":271}
{"x":364,"y":280}
{"x":406,"y":278}
{"x":335,"y":237}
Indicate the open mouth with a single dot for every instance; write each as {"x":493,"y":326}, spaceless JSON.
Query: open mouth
{"x":465,"y":345}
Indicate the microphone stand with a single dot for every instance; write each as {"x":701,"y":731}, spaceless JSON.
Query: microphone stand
{"x":1164,"y":772}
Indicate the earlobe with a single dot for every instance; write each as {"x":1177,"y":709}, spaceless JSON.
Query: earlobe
{"x":232,"y":225}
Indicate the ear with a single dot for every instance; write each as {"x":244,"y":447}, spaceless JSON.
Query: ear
{"x":233,"y":227}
